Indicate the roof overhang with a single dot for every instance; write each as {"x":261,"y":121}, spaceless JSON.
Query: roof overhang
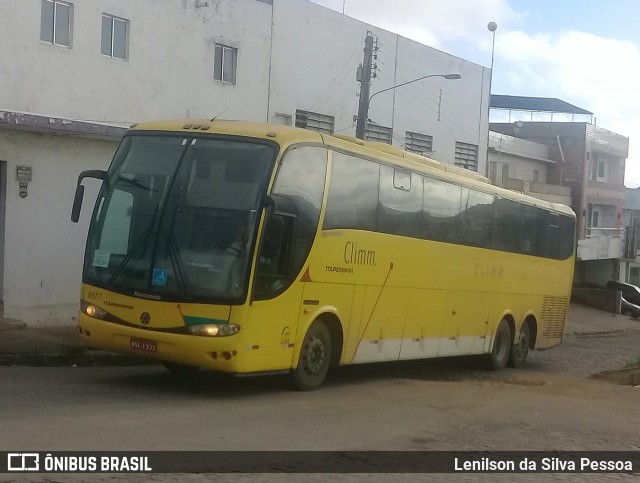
{"x":47,"y":124}
{"x":541,"y":104}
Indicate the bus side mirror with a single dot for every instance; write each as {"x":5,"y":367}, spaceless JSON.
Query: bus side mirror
{"x":77,"y":199}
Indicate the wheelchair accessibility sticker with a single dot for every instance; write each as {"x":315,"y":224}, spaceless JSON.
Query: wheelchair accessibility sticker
{"x":159,"y":278}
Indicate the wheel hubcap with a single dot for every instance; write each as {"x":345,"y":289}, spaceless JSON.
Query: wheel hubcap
{"x":314,"y":355}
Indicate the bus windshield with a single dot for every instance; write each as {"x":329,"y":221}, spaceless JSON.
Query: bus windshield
{"x":176,"y":217}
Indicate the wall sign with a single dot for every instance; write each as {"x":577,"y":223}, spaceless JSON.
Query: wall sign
{"x":23,"y":173}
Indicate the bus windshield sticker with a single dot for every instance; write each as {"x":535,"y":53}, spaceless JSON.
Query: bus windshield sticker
{"x":101,"y":258}
{"x":159,"y":277}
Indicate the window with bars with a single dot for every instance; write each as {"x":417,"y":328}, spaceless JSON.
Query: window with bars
{"x":315,"y":121}
{"x":466,"y":156}
{"x":381,"y":134}
{"x":415,"y":142}
{"x":114,"y":37}
{"x":55,"y":22}
{"x":224,"y":63}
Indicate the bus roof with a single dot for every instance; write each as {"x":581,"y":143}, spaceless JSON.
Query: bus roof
{"x":286,"y":135}
{"x":281,"y":134}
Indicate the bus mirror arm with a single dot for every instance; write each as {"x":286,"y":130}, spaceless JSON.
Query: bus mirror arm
{"x":270,"y":204}
{"x":77,"y":199}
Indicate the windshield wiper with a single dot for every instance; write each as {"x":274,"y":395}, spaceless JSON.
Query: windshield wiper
{"x":133,"y":182}
{"x":176,"y":263}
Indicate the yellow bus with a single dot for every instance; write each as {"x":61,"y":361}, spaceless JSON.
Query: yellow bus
{"x":252,"y":248}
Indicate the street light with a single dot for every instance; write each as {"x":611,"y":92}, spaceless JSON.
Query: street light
{"x":491,"y":27}
{"x":360,"y":126}
{"x":446,"y":76}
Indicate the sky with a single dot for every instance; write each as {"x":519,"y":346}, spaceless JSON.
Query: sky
{"x":585,"y":52}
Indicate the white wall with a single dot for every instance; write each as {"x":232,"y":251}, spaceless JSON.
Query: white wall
{"x":292,"y":55}
{"x":519,"y":167}
{"x":43,"y":248}
{"x":169,"y":73}
{"x":315,"y":55}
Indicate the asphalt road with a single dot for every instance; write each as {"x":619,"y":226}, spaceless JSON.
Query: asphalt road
{"x":551,"y":404}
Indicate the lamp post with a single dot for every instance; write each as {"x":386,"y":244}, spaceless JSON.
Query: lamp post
{"x":491,"y":27}
{"x":362,"y":121}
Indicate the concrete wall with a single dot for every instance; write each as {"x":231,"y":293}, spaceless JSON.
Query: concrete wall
{"x":595,"y":273}
{"x":43,"y":248}
{"x":602,"y":299}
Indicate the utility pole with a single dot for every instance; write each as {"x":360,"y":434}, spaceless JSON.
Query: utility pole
{"x":364,"y":77}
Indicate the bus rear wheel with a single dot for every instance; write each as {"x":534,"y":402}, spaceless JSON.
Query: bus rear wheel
{"x":501,"y":350}
{"x":520,"y":349}
{"x":315,"y":358}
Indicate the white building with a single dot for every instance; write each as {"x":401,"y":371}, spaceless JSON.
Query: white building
{"x":77,"y":72}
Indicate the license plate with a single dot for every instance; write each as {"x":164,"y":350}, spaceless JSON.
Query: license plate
{"x":143,"y":344}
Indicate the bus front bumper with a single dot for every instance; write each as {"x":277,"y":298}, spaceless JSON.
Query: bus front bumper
{"x":217,"y":353}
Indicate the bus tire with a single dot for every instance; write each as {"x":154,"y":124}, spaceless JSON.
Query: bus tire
{"x":314,"y":359}
{"x":499,"y":355}
{"x":520,"y":349}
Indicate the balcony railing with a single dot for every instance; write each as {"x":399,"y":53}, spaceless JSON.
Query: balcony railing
{"x":601,"y":243}
{"x":548,"y":192}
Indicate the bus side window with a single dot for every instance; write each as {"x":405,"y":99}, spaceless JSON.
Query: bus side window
{"x":272,"y":263}
{"x":289,"y":233}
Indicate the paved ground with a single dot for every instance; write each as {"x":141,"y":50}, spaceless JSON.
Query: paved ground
{"x":553,"y":403}
{"x":60,"y":345}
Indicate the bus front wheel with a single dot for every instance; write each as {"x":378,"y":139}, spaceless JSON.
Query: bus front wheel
{"x":501,"y":350}
{"x":315,"y":358}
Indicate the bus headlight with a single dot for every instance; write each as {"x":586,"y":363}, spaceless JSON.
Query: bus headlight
{"x":93,"y":311}
{"x":214,"y":330}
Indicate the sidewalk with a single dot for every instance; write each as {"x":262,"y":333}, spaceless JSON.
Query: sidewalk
{"x":60,"y":346}
{"x":53,"y":346}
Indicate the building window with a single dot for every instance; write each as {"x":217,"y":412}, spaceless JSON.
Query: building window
{"x":315,"y":121}
{"x":415,"y":142}
{"x":381,"y":134}
{"x":598,"y":170}
{"x":114,"y":36}
{"x":466,"y":156}
{"x":224,"y":64}
{"x":55,"y":22}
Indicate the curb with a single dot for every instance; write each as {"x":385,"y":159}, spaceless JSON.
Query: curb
{"x":84,"y":359}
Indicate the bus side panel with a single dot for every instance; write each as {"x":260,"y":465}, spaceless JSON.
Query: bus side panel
{"x":423,"y":325}
{"x":354,"y":326}
{"x":270,"y":332}
{"x":382,"y":325}
{"x":465,"y":324}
